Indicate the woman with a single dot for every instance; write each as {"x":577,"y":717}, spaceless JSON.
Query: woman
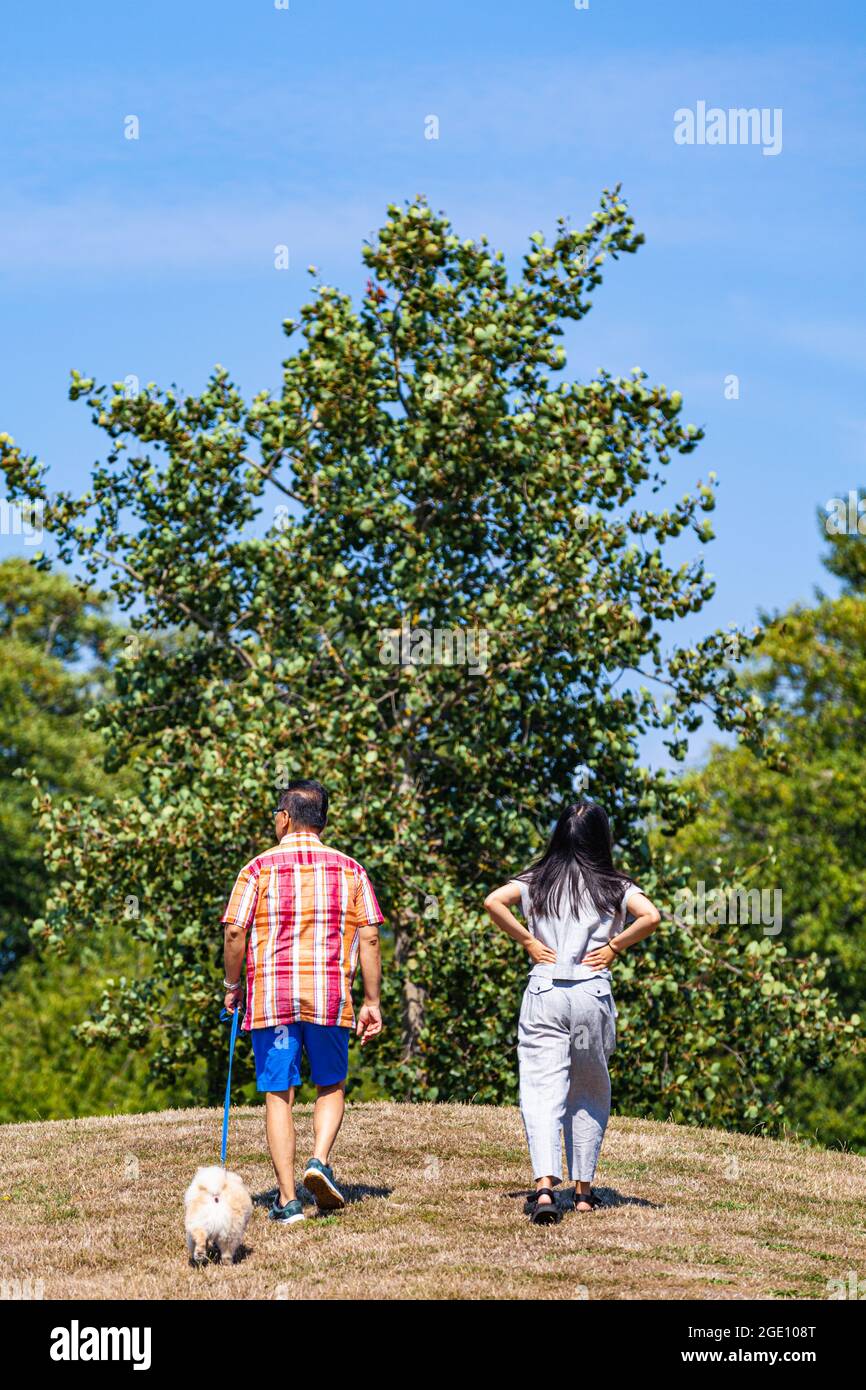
{"x":575,"y":904}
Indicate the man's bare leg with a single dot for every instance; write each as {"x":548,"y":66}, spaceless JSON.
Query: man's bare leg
{"x":327,"y":1118}
{"x":280,"y":1129}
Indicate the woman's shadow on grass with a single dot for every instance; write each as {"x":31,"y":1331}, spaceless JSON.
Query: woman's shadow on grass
{"x":608,"y":1196}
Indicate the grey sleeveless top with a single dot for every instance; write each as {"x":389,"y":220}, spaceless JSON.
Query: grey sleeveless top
{"x":573,"y":936}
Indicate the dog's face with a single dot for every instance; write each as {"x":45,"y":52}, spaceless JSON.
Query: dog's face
{"x":217,"y":1208}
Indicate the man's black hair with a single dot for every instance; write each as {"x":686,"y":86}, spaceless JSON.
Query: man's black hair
{"x":306,"y":803}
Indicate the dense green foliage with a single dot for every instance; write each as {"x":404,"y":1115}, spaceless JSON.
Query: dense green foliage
{"x":802,"y":826}
{"x":56,"y":648}
{"x":46,"y":1071}
{"x":431,"y":469}
{"x":54,"y":643}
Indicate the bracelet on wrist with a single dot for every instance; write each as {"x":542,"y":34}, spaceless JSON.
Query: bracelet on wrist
{"x":233,"y":986}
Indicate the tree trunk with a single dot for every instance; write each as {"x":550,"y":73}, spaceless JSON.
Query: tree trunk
{"x":412,"y":1018}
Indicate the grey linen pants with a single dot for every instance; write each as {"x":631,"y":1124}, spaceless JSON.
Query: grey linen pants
{"x":565,"y":1035}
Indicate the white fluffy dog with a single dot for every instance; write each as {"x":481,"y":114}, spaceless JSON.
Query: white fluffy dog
{"x":217,"y":1208}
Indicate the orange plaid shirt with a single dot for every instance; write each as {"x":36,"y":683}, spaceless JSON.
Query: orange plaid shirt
{"x":302,"y":905}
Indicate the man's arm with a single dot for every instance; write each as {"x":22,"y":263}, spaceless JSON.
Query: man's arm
{"x":237,"y":919}
{"x":233,"y":959}
{"x":370,"y":1017}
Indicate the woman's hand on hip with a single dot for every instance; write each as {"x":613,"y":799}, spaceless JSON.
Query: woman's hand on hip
{"x":600,"y":958}
{"x":539,"y":953}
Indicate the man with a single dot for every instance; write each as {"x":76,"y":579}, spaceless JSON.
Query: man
{"x":311,"y":913}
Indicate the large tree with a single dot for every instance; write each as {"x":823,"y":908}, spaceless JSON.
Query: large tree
{"x":428,"y":468}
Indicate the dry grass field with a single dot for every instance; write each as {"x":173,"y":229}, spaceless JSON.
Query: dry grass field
{"x":93,"y":1208}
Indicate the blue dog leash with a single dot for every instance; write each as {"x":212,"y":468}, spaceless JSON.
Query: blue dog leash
{"x":234,"y":1018}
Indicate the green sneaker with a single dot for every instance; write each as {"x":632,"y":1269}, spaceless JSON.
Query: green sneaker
{"x":289,"y":1214}
{"x":319,"y":1179}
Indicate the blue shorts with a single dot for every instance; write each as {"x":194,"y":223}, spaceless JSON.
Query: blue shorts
{"x":277,"y":1052}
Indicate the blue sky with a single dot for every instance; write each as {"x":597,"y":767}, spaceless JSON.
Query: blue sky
{"x":261,"y":126}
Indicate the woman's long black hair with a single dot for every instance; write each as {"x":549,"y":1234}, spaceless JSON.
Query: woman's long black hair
{"x":578,"y":862}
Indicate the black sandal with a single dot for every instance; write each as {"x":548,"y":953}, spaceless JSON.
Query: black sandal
{"x":546,"y":1214}
{"x":590,"y":1197}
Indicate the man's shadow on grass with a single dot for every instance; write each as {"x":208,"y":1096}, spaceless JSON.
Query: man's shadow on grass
{"x":608,"y":1196}
{"x":353,"y":1193}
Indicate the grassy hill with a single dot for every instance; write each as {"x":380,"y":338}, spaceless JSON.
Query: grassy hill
{"x":93,"y":1208}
